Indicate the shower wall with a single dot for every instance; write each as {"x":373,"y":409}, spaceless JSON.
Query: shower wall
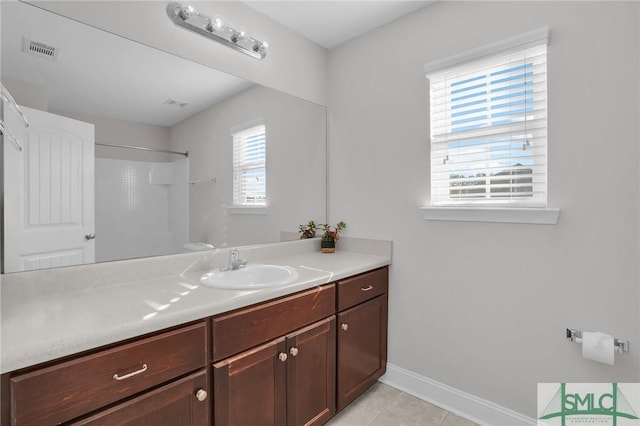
{"x":141,"y":208}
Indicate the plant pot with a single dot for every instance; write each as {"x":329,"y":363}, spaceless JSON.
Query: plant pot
{"x":327,"y":246}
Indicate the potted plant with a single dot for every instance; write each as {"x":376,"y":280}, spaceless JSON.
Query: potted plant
{"x":330,"y":236}
{"x":308,"y":230}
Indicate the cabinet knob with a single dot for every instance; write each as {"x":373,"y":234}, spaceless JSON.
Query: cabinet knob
{"x":344,"y":326}
{"x":293,"y":351}
{"x":282,"y":356}
{"x":201,"y":395}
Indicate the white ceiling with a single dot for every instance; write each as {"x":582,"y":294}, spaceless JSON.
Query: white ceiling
{"x":330,"y":23}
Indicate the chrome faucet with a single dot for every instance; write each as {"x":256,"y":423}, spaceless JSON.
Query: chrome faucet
{"x":234,"y":261}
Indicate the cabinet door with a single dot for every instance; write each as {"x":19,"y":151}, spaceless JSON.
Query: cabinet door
{"x":180,"y":403}
{"x":250,"y":388}
{"x":362,"y":348}
{"x":311,"y":372}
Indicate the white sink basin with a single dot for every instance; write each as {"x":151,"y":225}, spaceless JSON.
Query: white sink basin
{"x":250,"y":277}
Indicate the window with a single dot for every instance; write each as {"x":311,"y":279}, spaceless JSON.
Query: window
{"x":489,"y":128}
{"x":249,"y":167}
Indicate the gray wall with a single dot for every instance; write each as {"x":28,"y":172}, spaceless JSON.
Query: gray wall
{"x":296,"y":166}
{"x":123,"y":132}
{"x":28,"y":94}
{"x":478,"y":306}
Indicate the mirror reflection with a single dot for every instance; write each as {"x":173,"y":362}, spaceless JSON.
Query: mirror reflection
{"x":84,"y":191}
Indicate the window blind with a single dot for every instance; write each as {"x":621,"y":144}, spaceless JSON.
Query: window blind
{"x":249,"y":167}
{"x":489,"y":131}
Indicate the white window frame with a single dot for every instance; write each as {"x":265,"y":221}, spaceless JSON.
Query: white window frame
{"x":241,"y":164}
{"x":487,"y":209}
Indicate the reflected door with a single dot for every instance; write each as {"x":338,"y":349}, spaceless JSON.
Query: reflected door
{"x":48,"y":192}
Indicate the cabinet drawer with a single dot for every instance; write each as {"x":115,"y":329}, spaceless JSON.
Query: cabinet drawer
{"x":178,"y":403}
{"x":64,"y":391}
{"x":249,"y":327}
{"x":354,"y":290}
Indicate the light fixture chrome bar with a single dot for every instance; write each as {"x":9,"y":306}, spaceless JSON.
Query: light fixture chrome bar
{"x":187,"y":17}
{"x":9,"y":134}
{"x":6,"y":96}
{"x":144,"y":148}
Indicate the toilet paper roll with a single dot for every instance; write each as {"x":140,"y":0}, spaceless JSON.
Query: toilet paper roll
{"x":598,"y":347}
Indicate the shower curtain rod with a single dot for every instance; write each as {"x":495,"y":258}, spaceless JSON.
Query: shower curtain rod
{"x":142,"y":148}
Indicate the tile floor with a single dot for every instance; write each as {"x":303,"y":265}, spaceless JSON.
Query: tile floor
{"x":383,"y":405}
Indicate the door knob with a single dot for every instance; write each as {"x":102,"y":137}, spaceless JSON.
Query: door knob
{"x":90,"y":236}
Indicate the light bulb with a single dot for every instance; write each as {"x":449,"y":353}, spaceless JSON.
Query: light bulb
{"x":238,"y":36}
{"x":260,"y":47}
{"x":187,"y":11}
{"x":218,"y":25}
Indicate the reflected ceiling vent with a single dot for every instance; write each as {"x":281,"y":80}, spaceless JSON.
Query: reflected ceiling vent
{"x":177,"y":102}
{"x":40,"y":50}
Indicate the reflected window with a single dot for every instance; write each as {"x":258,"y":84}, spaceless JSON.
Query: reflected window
{"x":249,"y":167}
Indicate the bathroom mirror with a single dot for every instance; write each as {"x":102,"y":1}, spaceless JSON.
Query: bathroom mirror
{"x":154,"y":201}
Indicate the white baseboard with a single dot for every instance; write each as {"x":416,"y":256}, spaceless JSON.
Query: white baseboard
{"x":463,"y":404}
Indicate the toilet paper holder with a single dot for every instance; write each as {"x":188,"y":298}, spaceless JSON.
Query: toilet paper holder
{"x":576,"y":336}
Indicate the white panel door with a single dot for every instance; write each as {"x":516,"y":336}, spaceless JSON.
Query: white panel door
{"x":48,"y":192}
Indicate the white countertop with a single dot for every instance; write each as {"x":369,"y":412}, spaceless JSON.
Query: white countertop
{"x":39,"y":327}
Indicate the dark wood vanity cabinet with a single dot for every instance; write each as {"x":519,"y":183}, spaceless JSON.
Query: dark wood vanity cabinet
{"x":290,"y":361}
{"x":287,"y":381}
{"x":362,"y":333}
{"x":68,"y":391}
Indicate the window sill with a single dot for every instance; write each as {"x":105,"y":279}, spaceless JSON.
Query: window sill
{"x":247,"y":210}
{"x":489,"y":214}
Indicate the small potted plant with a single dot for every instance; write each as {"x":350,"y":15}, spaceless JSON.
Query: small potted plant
{"x":308,"y":230}
{"x":330,"y":236}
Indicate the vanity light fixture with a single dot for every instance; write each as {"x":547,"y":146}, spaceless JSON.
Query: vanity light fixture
{"x":187,"y":17}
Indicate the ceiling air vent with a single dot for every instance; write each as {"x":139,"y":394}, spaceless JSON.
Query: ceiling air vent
{"x":177,"y":102}
{"x":39,"y":49}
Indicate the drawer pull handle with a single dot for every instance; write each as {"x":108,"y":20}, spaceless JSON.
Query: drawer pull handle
{"x":293,"y":351}
{"x":126,"y":376}
{"x":344,"y":326}
{"x":201,"y":395}
{"x":367,"y":288}
{"x":282,"y":356}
